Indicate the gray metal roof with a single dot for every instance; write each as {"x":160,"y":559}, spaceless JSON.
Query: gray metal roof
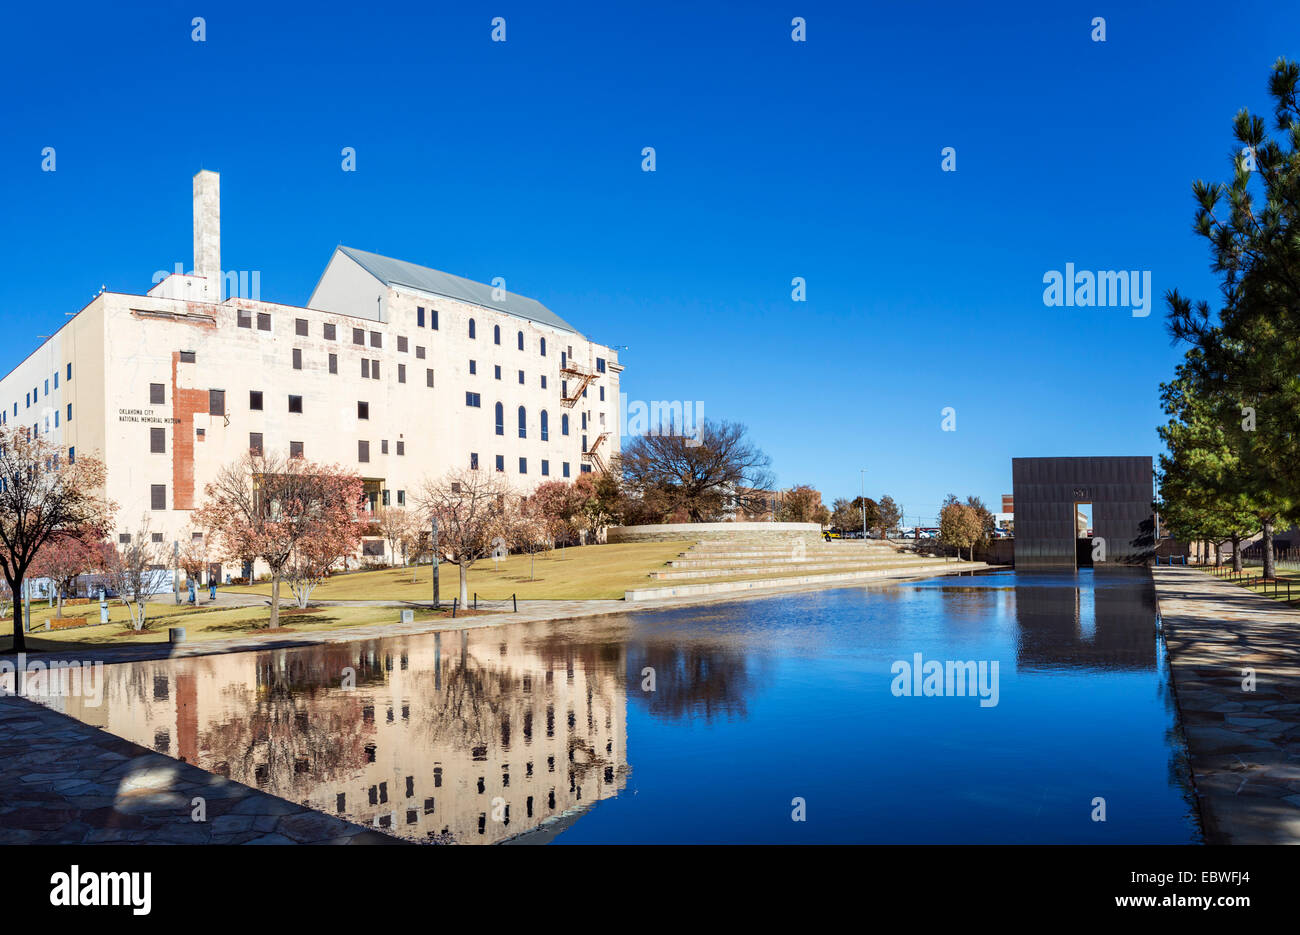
{"x":401,"y":273}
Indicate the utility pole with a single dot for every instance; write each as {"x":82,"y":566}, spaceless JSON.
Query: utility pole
{"x":176,"y":572}
{"x":433,"y":542}
{"x":27,"y":605}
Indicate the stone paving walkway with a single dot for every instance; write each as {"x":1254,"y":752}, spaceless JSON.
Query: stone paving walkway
{"x":65,"y":782}
{"x":1244,"y":746}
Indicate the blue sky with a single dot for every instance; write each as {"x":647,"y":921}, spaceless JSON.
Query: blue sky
{"x":775,"y":159}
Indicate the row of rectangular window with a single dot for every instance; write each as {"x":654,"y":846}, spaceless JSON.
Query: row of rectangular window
{"x":35,"y":394}
{"x":523,"y":465}
{"x":363,"y":449}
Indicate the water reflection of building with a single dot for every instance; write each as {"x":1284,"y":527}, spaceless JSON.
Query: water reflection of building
{"x":474,"y":737}
{"x":1109,"y":625}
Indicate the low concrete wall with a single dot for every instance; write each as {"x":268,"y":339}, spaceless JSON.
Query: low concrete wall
{"x":927,"y":570}
{"x":662,"y":532}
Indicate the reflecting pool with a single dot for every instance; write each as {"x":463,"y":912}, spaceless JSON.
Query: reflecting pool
{"x":720,"y":723}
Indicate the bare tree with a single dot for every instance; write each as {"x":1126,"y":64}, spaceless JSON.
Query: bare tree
{"x":136,"y":570}
{"x":697,"y":474}
{"x":471,"y":509}
{"x":398,"y":528}
{"x":274,"y":508}
{"x":43,"y":493}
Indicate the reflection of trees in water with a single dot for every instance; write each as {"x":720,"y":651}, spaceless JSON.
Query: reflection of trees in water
{"x":693,"y":680}
{"x":293,"y":730}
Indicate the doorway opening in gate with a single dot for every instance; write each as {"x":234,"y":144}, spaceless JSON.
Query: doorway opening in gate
{"x":1083,"y":530}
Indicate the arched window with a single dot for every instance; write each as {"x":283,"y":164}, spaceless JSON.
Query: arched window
{"x":523,"y":422}
{"x":471,"y":328}
{"x":496,"y":334}
{"x":501,"y":419}
{"x":546,"y":427}
{"x":543,"y":347}
{"x":521,"y":340}
{"x":564,"y":424}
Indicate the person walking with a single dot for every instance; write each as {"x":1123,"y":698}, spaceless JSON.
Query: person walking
{"x":212,"y":588}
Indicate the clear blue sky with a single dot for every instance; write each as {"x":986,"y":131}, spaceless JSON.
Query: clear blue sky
{"x":776,"y":159}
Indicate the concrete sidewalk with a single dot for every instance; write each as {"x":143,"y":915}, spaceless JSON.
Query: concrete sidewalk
{"x":1244,"y":745}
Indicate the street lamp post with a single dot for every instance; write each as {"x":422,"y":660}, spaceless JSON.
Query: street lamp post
{"x":434,"y":562}
{"x":862,"y":500}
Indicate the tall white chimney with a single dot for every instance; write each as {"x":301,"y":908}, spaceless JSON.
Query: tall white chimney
{"x":207,"y":230}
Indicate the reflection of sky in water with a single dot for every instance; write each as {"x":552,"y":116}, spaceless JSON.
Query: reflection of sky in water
{"x":756,"y":702}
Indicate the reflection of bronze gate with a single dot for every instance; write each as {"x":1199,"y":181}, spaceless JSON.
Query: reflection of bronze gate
{"x":214,"y":573}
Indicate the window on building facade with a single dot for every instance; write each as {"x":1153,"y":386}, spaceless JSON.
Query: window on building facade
{"x":401,"y":448}
{"x":295,"y":449}
{"x":383,"y":450}
{"x":374,"y":369}
{"x":401,"y":345}
{"x":501,"y":463}
{"x":255,"y":443}
{"x":473,"y":367}
{"x":473,"y":460}
{"x":157,"y":394}
{"x":329,"y":331}
{"x":419,"y":316}
{"x":546,"y":468}
{"x":365,"y":368}
{"x":419,"y":352}
{"x":297,"y":358}
{"x":295,"y":404}
{"x":187,"y":357}
{"x":523,"y":422}
{"x":401,"y":373}
{"x":433,"y":319}
{"x":500,"y":412}
{"x":263,"y":321}
{"x":471,"y":328}
{"x":472,"y":400}
{"x":300,"y":327}
{"x":523,"y":465}
{"x":334,"y":363}
{"x":564,"y":424}
{"x":243,"y":318}
{"x":157,"y":496}
{"x":564,"y":468}
{"x":521,"y":340}
{"x":363,"y":451}
{"x":216,"y":402}
{"x":376,"y":339}
{"x":543,"y":381}
{"x":546,"y":426}
{"x":543,"y":344}
{"x":363,"y":410}
{"x":496,"y":334}
{"x":428,"y":378}
{"x":157,"y":441}
{"x":254,"y":399}
{"x":359,"y":336}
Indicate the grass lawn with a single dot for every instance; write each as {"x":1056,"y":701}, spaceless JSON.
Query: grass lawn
{"x":589,"y":572}
{"x":1273,"y":591}
{"x":200,"y":623}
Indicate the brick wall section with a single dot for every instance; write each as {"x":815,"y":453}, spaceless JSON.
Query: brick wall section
{"x":185,"y":403}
